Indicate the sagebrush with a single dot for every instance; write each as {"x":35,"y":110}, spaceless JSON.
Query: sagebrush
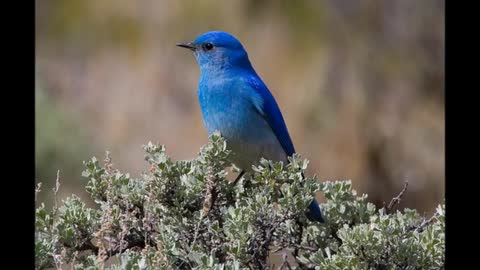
{"x":187,"y":215}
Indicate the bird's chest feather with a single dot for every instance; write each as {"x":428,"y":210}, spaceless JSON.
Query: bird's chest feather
{"x":229,"y":109}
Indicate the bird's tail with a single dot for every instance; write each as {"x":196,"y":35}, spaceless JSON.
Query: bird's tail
{"x":314,"y":213}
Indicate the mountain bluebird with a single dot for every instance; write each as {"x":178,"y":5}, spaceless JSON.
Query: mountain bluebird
{"x":237,"y":103}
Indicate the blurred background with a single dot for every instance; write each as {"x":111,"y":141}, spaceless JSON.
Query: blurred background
{"x":360,"y":84}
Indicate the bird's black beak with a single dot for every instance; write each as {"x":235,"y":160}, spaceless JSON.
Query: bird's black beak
{"x":189,"y":46}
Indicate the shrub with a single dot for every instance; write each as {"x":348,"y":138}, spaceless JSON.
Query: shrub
{"x":187,"y":215}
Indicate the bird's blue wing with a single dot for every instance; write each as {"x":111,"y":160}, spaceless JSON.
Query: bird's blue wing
{"x":266,"y":105}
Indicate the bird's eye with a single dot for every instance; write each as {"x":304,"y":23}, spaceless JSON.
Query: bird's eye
{"x":207,"y":46}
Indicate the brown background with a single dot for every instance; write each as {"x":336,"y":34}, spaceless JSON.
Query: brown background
{"x":360,"y":84}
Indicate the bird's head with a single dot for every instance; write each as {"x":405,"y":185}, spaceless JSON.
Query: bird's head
{"x":217,"y":50}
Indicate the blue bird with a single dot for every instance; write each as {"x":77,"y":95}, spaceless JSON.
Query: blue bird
{"x":237,"y":103}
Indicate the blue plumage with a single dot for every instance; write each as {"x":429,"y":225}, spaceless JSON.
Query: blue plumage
{"x":236,"y":102}
{"x":268,"y":108}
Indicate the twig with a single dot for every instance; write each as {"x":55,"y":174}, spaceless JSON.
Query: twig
{"x":55,"y":192}
{"x":197,"y":228}
{"x":138,"y":242}
{"x":87,"y":245}
{"x":72,"y":264}
{"x":285,"y":264}
{"x":396,"y":200}
{"x":300,"y":235}
{"x":38,"y":189}
{"x":210,"y":197}
{"x":238,"y":177}
{"x":424,"y":224}
{"x":268,"y":239}
{"x":306,"y":247}
{"x":300,"y":247}
{"x":211,"y":193}
{"x":132,"y":240}
{"x":108,"y":162}
{"x":277,"y":249}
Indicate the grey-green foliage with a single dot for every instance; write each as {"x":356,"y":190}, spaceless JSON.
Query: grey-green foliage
{"x":187,"y":215}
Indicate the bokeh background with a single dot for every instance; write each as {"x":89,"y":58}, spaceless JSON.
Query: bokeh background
{"x":360,"y":84}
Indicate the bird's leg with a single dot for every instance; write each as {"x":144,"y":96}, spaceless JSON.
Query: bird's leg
{"x":238,"y":177}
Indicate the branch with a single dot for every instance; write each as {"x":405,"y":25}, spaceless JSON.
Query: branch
{"x":136,"y":242}
{"x":211,"y":194}
{"x":55,"y":192}
{"x":424,"y":224}
{"x":267,"y":235}
{"x":285,"y":264}
{"x":396,"y":200}
{"x":210,"y":197}
{"x":38,"y":189}
{"x":306,"y":247}
{"x":87,"y":245}
{"x":300,"y":226}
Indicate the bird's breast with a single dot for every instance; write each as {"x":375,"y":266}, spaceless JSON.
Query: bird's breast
{"x":232,"y":113}
{"x":248,"y":134}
